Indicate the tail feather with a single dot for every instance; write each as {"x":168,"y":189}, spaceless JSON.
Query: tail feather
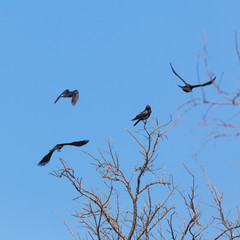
{"x":137,"y":122}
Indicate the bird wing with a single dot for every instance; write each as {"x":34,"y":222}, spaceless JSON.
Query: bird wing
{"x":75,"y":97}
{"x":60,"y":96}
{"x":137,"y":117}
{"x":140,"y":115}
{"x":46,"y":159}
{"x":177,"y":74}
{"x":58,"y":146}
{"x":78,"y":143}
{"x":204,"y":84}
{"x":145,"y":112}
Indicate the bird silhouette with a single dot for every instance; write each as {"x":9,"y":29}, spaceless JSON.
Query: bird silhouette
{"x":144,"y":115}
{"x":188,"y":87}
{"x":58,"y":147}
{"x":68,"y":94}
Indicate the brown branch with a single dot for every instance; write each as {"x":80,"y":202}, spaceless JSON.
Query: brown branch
{"x":101,"y":214}
{"x":228,"y":229}
{"x":171,"y":227}
{"x":67,"y":226}
{"x":236,"y":45}
{"x":218,"y":198}
{"x":227,"y":98}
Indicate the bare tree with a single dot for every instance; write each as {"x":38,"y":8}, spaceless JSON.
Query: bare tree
{"x":144,"y":204}
{"x":227,"y":225}
{"x":194,"y":225}
{"x":222,"y":224}
{"x":229,"y":126}
{"x":101,"y":212}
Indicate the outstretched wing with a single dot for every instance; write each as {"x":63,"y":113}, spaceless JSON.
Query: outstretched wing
{"x":177,"y":74}
{"x":65,"y":92}
{"x":46,"y":159}
{"x":204,"y":84}
{"x":78,"y":143}
{"x":59,"y":96}
{"x":75,"y":97}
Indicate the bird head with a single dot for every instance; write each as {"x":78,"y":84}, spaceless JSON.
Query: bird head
{"x":148,"y":107}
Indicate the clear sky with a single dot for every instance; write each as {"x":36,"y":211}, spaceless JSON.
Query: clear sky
{"x":117,"y":54}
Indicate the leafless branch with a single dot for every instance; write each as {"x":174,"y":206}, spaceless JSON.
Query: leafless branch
{"x":100,"y":213}
{"x":236,"y":45}
{"x":228,"y":226}
{"x":225,"y":99}
{"x":67,"y":227}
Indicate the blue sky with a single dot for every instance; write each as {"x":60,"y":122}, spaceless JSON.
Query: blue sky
{"x":117,"y":54}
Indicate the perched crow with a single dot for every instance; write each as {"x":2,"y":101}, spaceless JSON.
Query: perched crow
{"x":58,"y":147}
{"x":188,"y":87}
{"x":144,"y":115}
{"x":68,"y":94}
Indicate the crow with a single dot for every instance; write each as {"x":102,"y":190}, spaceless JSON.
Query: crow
{"x":68,"y":94}
{"x":58,"y":147}
{"x":144,"y":115}
{"x":188,"y":88}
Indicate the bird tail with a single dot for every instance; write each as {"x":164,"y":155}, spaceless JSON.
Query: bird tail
{"x":137,"y":122}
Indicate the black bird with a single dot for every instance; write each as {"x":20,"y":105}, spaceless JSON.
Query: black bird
{"x":68,"y":94}
{"x":58,"y":147}
{"x":188,"y":87}
{"x":144,"y":115}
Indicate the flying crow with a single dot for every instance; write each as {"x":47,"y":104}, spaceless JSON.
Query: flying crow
{"x":68,"y":94}
{"x":58,"y":147}
{"x":188,"y":87}
{"x":144,"y":115}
